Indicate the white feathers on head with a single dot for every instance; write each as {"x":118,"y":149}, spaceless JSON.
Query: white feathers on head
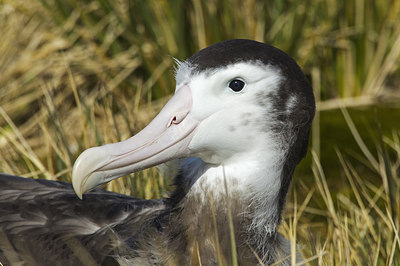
{"x":183,"y":71}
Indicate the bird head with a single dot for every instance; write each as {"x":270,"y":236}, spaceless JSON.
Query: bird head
{"x":234,"y":99}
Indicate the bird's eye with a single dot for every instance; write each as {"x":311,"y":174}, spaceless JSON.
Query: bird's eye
{"x":236,"y":85}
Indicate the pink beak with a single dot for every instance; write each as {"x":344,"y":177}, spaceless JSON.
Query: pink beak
{"x":167,"y":137}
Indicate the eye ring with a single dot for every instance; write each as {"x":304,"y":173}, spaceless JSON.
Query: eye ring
{"x":236,"y":84}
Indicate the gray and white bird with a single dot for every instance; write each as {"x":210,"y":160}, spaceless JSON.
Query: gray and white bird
{"x":240,"y":116}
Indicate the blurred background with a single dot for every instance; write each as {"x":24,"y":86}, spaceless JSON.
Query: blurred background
{"x":80,"y":73}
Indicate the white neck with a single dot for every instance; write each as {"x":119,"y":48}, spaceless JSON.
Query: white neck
{"x":253,"y":176}
{"x":251,"y":185}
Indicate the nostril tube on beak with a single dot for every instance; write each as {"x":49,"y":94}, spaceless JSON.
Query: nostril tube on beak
{"x":177,"y":119}
{"x":173,"y":121}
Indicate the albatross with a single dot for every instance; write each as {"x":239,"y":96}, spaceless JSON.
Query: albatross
{"x":238,"y":124}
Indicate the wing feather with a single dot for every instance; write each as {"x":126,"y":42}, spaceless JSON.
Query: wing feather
{"x":43,"y":221}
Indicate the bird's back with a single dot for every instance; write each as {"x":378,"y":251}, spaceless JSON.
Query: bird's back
{"x":44,"y":223}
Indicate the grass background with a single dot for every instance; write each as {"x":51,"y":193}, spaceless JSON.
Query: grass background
{"x":75,"y":74}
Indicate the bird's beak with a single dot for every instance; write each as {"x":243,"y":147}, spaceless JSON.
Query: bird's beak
{"x":167,"y":137}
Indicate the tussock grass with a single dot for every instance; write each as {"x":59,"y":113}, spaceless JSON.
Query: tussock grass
{"x":75,"y":74}
{"x":358,"y":224}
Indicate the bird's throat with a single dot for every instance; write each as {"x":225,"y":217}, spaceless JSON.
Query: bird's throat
{"x":220,"y":204}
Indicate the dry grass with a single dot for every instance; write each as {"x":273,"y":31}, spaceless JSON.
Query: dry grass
{"x":78,"y":74}
{"x":359,"y":224}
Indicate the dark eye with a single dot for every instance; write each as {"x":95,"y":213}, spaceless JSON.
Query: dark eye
{"x":236,"y":85}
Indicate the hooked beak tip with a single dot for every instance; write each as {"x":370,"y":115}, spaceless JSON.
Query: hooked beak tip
{"x":79,"y":195}
{"x":84,"y":167}
{"x":77,"y":186}
{"x":77,"y":189}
